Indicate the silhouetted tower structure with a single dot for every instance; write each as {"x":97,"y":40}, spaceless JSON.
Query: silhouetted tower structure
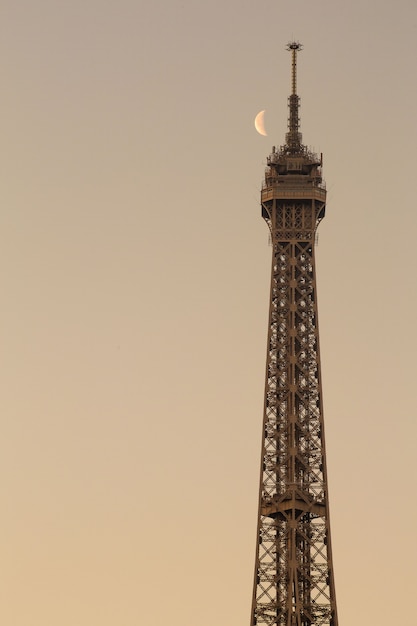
{"x":294,"y":583}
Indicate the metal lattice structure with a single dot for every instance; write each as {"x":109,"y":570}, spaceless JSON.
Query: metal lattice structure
{"x":294,"y":582}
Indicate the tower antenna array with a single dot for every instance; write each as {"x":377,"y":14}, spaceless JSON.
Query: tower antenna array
{"x":294,"y":138}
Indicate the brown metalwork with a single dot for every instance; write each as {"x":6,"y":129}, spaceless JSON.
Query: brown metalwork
{"x":294,"y":582}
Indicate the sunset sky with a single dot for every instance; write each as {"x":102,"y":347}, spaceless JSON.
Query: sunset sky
{"x":134,"y":297}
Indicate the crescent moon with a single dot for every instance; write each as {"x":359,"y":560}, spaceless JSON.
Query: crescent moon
{"x":260,"y":123}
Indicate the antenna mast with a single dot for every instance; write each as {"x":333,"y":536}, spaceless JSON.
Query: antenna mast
{"x":293,"y":137}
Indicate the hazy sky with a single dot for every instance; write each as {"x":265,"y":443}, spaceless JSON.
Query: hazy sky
{"x":134,"y":295}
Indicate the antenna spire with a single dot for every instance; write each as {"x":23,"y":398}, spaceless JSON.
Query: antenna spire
{"x":293,"y":137}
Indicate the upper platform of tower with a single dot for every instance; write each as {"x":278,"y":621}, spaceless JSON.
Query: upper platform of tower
{"x":293,"y":169}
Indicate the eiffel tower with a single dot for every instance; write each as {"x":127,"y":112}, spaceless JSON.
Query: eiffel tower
{"x":294,"y":581}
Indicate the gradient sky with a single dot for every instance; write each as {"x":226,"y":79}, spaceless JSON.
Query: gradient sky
{"x":134,"y":289}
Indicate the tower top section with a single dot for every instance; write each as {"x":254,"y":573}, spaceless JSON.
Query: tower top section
{"x":293,"y":151}
{"x":293,"y":171}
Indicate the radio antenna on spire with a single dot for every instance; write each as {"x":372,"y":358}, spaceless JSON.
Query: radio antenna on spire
{"x":294,"y":137}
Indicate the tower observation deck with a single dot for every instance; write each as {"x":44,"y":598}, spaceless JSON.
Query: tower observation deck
{"x":294,"y":581}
